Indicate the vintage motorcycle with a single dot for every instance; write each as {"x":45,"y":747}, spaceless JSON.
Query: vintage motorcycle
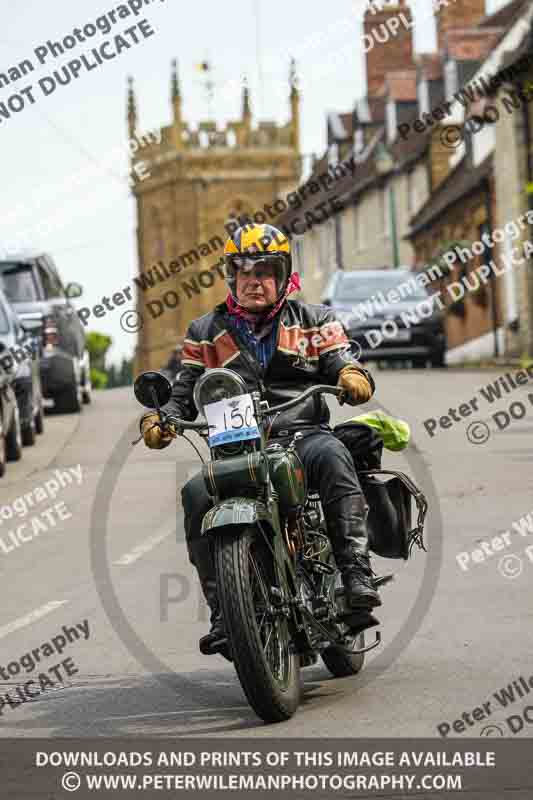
{"x":280,"y":591}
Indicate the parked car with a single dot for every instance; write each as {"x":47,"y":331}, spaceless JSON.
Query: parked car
{"x":10,"y":417}
{"x":389,"y":314}
{"x":32,"y":285}
{"x":19,"y":356}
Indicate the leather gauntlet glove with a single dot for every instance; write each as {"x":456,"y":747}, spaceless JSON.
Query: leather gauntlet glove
{"x":356,"y":387}
{"x":153,"y":436}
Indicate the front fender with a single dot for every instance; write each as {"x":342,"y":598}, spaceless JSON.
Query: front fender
{"x":241,"y":511}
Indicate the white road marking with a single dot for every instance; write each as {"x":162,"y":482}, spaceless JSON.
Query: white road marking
{"x":141,"y":549}
{"x":33,"y":616}
{"x":176,"y":713}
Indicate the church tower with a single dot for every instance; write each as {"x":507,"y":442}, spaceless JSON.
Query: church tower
{"x":196,"y":180}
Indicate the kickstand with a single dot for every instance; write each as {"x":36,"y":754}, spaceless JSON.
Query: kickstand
{"x":357,"y":651}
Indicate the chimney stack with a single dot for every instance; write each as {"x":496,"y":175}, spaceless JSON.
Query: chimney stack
{"x":387,"y":41}
{"x":459,"y":14}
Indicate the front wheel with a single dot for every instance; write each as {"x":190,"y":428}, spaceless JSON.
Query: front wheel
{"x":258,"y":633}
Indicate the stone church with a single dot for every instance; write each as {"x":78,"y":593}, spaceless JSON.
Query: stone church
{"x":195,"y":182}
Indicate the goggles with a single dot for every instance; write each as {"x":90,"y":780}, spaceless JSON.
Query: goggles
{"x":271,"y":266}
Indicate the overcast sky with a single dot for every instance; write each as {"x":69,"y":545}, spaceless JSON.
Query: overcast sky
{"x":91,"y":228}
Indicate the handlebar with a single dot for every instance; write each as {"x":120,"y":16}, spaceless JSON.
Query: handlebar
{"x":320,"y":389}
{"x":201,"y":424}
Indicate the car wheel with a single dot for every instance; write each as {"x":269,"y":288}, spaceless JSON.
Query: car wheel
{"x":14,"y":438}
{"x":29,"y":434}
{"x":39,"y":419}
{"x":438,"y":360}
{"x":69,"y":402}
{"x":3,"y":454}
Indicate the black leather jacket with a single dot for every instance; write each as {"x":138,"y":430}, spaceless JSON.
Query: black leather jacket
{"x":311,"y":348}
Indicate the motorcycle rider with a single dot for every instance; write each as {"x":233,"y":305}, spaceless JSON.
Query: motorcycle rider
{"x":280,"y":347}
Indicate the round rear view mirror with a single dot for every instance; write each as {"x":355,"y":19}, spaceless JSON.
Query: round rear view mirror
{"x":152,"y":389}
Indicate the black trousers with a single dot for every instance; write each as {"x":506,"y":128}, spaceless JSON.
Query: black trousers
{"x":329,"y":469}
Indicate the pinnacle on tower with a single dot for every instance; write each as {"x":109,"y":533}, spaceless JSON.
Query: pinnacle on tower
{"x":295,"y":106}
{"x":246,"y":110}
{"x":293,"y":78}
{"x":132,"y":109}
{"x":175,"y":84}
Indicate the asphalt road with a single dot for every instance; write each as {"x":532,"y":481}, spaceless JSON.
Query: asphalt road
{"x":468,"y":631}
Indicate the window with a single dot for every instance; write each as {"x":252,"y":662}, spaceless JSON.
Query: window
{"x":50,"y":286}
{"x":18,"y":283}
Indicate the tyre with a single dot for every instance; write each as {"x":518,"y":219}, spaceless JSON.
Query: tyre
{"x":69,"y":401}
{"x":29,"y":434}
{"x":3,"y":454}
{"x":39,"y":419}
{"x":438,"y":360}
{"x":268,"y":671}
{"x":14,"y":438}
{"x":342,"y":664}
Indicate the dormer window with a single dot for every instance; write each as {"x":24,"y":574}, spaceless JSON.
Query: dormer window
{"x":451,"y":80}
{"x":392,"y":121}
{"x":423,"y":97}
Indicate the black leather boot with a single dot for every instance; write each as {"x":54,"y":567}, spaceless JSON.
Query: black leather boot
{"x":202,"y":558}
{"x":347,"y":530}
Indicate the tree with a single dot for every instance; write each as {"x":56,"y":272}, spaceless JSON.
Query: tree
{"x":125,"y":376}
{"x":98,"y":344}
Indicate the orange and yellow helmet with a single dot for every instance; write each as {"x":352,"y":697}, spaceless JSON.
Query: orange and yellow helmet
{"x":253,"y":242}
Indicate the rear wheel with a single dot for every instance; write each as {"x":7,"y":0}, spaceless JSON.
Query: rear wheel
{"x":438,"y":360}
{"x":340,"y":663}
{"x":39,"y":419}
{"x":258,"y":633}
{"x":69,"y":401}
{"x":29,"y":434}
{"x":14,"y":438}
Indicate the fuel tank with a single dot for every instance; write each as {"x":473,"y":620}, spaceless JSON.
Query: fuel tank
{"x":287,"y":475}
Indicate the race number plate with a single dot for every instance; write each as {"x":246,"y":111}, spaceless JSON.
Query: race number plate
{"x":231,"y":420}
